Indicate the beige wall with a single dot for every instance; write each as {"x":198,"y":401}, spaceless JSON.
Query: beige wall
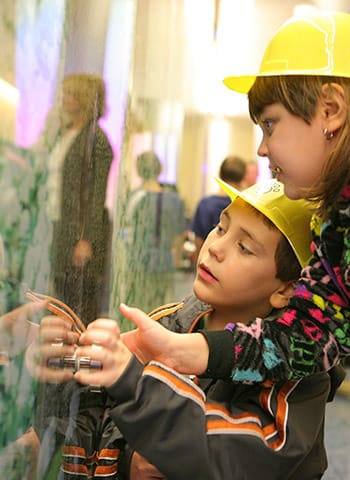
{"x":193,"y":177}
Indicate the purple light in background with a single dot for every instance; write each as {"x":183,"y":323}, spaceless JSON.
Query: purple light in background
{"x":205,"y":168}
{"x":38,"y":43}
{"x":116,"y":74}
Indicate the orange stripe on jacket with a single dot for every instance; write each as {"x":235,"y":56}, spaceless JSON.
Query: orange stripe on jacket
{"x":179,"y":383}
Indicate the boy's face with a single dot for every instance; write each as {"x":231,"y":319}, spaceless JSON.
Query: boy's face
{"x":236,"y":268}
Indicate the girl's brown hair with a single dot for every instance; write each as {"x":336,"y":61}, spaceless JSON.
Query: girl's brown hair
{"x":300,"y":95}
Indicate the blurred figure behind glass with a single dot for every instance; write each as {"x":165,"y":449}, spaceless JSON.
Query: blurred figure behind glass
{"x":78,"y":168}
{"x":155,"y":221}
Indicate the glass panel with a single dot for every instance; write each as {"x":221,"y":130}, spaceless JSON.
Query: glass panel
{"x":114,"y":123}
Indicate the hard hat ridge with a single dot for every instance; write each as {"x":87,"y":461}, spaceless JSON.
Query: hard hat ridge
{"x":291,"y":217}
{"x":316,"y":44}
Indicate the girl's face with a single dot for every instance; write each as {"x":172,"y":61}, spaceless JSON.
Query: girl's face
{"x":236,"y":269}
{"x":297,"y":150}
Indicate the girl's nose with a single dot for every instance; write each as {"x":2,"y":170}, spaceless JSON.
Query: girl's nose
{"x":262,"y":148}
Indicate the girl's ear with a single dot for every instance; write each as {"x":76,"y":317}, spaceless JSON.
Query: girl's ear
{"x":334,"y":106}
{"x":281,"y":296}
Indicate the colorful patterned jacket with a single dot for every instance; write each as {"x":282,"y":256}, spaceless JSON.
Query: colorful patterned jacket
{"x":223,"y":429}
{"x":314,"y":331}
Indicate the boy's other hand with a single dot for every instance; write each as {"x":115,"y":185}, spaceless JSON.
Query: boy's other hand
{"x":186,"y":353}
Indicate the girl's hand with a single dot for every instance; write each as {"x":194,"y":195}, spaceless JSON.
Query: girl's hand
{"x":54,"y":341}
{"x":186,"y":353}
{"x":101,"y":342}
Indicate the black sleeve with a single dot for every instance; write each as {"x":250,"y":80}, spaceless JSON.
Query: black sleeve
{"x":221,"y":358}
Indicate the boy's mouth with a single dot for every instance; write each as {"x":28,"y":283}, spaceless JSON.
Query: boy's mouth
{"x":205,"y":273}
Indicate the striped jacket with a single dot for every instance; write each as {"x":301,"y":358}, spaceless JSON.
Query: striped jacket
{"x":214,"y":429}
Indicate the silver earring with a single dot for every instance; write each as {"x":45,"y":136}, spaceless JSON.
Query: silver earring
{"x":327,"y":134}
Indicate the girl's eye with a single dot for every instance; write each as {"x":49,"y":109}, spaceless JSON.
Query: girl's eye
{"x":267,"y":126}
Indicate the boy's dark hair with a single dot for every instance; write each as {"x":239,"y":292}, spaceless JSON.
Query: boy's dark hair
{"x":288,"y":267}
{"x":232,"y":169}
{"x":148,"y":165}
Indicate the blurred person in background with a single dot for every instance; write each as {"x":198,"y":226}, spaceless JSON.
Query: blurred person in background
{"x":78,"y":168}
{"x":251,"y":173}
{"x":155,"y":219}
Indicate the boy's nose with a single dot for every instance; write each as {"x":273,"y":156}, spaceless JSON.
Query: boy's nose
{"x":216,"y":249}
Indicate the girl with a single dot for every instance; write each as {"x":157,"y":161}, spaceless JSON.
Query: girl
{"x":301,"y":100}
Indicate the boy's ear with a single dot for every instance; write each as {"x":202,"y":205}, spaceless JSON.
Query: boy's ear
{"x":334,"y":106}
{"x":281,"y":296}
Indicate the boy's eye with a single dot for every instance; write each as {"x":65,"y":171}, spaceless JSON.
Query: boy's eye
{"x":219,"y":229}
{"x":244,"y":249}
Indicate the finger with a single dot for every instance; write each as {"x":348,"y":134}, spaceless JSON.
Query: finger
{"x":103,"y":332}
{"x":104,"y":323}
{"x":55,"y":321}
{"x":36,"y":362}
{"x":29,"y":311}
{"x":50,"y":375}
{"x":44,"y":352}
{"x":88,"y":377}
{"x":137,"y":316}
{"x":94,"y":352}
{"x":58,"y":335}
{"x":98,"y":337}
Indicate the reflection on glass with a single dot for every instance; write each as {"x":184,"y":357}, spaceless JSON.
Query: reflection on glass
{"x":78,"y":166}
{"x":78,"y":220}
{"x":154,"y":220}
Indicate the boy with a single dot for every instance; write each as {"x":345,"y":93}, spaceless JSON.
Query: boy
{"x":246,"y":268}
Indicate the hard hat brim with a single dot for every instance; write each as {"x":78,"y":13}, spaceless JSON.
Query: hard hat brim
{"x":240,"y":84}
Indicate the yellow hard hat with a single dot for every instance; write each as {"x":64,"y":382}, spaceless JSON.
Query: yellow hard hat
{"x":317,"y":44}
{"x":291,"y":217}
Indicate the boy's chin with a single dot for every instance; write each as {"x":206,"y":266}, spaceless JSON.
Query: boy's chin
{"x":199,"y":293}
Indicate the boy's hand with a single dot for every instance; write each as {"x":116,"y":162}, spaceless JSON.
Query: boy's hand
{"x":186,"y":353}
{"x":55,"y":340}
{"x":101,"y":342}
